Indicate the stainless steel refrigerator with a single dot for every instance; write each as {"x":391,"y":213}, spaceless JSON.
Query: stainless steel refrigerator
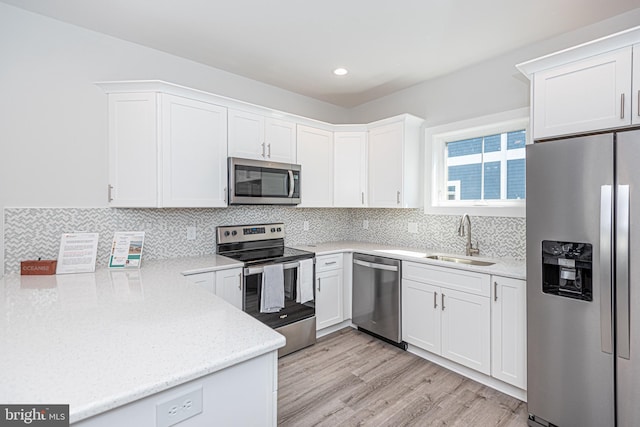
{"x":583,"y":281}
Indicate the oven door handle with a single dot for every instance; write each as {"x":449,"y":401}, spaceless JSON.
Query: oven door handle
{"x":250,"y":271}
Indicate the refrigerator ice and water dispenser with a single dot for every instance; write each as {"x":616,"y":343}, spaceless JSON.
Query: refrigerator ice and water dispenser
{"x":567,"y":269}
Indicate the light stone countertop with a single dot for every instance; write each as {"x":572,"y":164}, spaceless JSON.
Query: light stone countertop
{"x":101,"y":340}
{"x":503,"y":266}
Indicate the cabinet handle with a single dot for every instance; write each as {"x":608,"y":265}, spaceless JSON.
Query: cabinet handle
{"x":638,"y":105}
{"x":435,"y":299}
{"x":622,"y":106}
{"x":109,"y":198}
{"x":224,"y":191}
{"x":263,"y":150}
{"x":363,"y":191}
{"x":240,"y":281}
{"x":398,"y":197}
{"x":442,"y":295}
{"x":495,"y":291}
{"x":318,"y":284}
{"x":330,"y":263}
{"x":269,"y":152}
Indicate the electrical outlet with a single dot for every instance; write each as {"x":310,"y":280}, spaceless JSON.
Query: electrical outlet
{"x":305,"y":225}
{"x":365,"y":224}
{"x":413,"y":227}
{"x":191,"y":233}
{"x":179,"y":409}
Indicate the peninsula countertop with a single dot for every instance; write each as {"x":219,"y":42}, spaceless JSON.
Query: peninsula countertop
{"x":100,"y":340}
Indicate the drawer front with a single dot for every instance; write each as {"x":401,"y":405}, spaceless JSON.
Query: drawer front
{"x":328,"y":262}
{"x":451,"y":278}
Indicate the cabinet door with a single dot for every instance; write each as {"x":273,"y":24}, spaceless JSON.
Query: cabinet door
{"x":206,"y":281}
{"x":466,"y":330}
{"x":194,"y":152}
{"x":421,"y":315}
{"x":509,"y":331}
{"x":246,"y":135}
{"x":350,"y":170}
{"x":328,"y":298}
{"x":133,"y":150}
{"x":315,"y":155}
{"x":635,"y":95}
{"x":280,"y":137}
{"x":385,"y":166}
{"x":229,"y":286}
{"x":586,"y":95}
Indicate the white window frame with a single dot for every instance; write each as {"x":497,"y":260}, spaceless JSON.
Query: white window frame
{"x":436,"y":139}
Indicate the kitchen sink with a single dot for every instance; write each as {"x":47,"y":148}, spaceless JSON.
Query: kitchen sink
{"x":460,"y":260}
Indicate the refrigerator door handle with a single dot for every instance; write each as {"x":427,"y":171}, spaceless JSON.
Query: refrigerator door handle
{"x":606,"y":221}
{"x":622,"y":272}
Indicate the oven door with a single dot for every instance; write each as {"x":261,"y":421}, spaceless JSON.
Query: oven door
{"x":292,"y":311}
{"x":257,"y":182}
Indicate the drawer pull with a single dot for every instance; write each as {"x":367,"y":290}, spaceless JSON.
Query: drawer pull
{"x":622,"y":106}
{"x":330,"y":263}
{"x":442,"y":302}
{"x":495,"y":291}
{"x":435,"y":299}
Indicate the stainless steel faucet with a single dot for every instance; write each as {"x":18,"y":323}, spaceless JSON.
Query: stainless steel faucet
{"x":470,"y":250}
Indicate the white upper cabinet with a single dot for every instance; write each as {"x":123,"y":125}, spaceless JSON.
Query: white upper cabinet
{"x":133,"y":150}
{"x":350,"y":169}
{"x":194,"y":153}
{"x":253,"y":136}
{"x":394,"y":178}
{"x":590,"y":87}
{"x":635,"y":96}
{"x":166,"y":151}
{"x":315,"y":156}
{"x":586,"y":95}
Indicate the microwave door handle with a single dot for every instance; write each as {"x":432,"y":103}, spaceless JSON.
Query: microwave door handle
{"x":292,"y":184}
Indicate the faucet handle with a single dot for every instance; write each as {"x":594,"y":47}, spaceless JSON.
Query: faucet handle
{"x":476,"y":250}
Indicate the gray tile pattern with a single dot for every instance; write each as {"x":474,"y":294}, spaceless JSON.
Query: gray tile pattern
{"x":35,"y":232}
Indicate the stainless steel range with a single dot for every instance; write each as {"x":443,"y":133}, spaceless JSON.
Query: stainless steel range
{"x":262,"y":245}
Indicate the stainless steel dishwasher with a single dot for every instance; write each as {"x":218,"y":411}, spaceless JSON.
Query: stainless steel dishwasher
{"x":376,"y":297}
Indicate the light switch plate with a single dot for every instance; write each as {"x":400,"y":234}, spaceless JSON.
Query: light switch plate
{"x":173,"y":411}
{"x":305,"y":225}
{"x":191,"y":233}
{"x":413,"y":227}
{"x":365,"y":224}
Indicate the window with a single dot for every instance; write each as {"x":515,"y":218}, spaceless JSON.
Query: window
{"x":478,"y":166}
{"x":489,"y":167}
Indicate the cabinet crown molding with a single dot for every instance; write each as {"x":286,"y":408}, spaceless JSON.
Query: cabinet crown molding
{"x":595,"y":47}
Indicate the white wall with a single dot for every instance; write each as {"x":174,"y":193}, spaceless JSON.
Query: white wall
{"x":53,"y":126}
{"x":492,"y":86}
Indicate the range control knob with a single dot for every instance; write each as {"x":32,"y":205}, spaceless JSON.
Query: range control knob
{"x":226,"y":234}
{"x":279,"y":229}
{"x":234,"y":232}
{"x":273,"y":230}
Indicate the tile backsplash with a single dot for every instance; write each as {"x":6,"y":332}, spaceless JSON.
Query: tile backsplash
{"x":35,"y":232}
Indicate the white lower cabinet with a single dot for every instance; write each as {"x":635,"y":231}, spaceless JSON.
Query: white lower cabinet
{"x":227,"y":284}
{"x":509,"y":331}
{"x":466,"y":329}
{"x":329,"y":290}
{"x":448,"y":322}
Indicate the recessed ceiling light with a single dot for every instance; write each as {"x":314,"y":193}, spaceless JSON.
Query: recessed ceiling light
{"x":340,"y":71}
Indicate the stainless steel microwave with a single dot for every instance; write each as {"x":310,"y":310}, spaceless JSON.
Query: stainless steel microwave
{"x":258,"y":182}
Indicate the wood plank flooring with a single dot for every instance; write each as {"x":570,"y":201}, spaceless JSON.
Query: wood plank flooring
{"x":352,"y":379}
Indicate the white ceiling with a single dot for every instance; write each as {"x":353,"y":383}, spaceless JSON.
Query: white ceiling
{"x":295,"y":44}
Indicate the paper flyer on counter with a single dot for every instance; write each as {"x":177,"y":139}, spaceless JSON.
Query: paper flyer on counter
{"x":126,"y":250}
{"x":77,"y":253}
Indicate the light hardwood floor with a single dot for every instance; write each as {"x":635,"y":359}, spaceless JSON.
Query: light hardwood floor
{"x":352,"y":379}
